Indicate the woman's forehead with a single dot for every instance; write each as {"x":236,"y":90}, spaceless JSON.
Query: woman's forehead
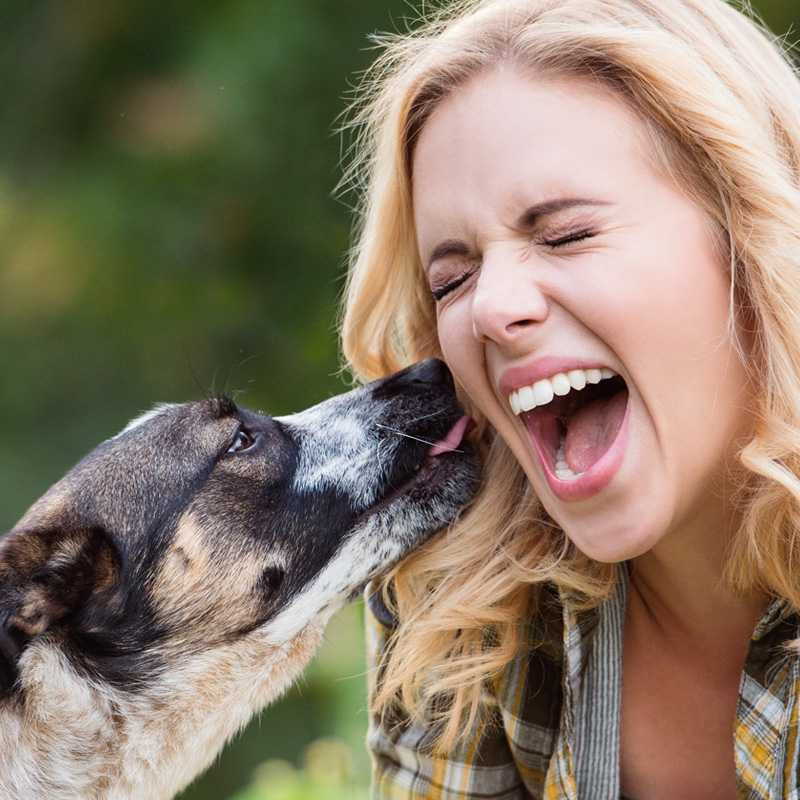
{"x":506,"y":141}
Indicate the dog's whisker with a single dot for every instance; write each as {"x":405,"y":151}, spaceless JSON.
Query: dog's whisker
{"x":406,"y":435}
{"x":428,"y":416}
{"x":415,"y":438}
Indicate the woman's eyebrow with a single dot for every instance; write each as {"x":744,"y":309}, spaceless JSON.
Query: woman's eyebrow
{"x":528,"y":219}
{"x":531,"y":216}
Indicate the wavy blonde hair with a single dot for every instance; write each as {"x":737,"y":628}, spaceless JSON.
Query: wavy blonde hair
{"x":720,"y":101}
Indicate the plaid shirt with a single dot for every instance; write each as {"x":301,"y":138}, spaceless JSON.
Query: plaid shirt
{"x":552,"y":725}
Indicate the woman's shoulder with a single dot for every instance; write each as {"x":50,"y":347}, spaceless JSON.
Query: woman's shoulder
{"x":522,"y":703}
{"x":529,"y":686}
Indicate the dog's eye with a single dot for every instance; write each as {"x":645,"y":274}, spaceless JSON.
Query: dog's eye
{"x":243,"y":441}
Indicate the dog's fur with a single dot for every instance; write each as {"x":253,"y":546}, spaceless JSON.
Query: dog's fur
{"x":178,"y":579}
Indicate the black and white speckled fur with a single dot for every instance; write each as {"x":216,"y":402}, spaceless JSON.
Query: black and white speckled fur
{"x":180,"y":577}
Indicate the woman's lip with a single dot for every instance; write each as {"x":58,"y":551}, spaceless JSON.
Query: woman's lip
{"x":598,"y":476}
{"x":527,"y":374}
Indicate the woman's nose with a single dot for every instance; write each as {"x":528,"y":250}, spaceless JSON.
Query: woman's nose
{"x":506,"y":301}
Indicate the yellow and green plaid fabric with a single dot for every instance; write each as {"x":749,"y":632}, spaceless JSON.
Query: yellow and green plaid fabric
{"x":551,"y":727}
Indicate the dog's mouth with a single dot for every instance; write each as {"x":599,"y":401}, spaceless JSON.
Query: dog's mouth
{"x":443,"y":460}
{"x":418,"y":471}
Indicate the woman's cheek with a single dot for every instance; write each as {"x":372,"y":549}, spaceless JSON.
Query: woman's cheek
{"x":462,"y":352}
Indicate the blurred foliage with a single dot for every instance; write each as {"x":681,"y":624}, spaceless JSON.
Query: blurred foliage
{"x":326,"y":774}
{"x":167,"y":228}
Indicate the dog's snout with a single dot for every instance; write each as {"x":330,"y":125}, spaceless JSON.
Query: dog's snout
{"x":433,"y":371}
{"x":430,"y":373}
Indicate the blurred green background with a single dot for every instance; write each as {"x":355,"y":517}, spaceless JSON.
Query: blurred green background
{"x":167,"y":227}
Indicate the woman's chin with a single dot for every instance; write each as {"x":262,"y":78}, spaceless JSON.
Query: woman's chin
{"x":613,"y":546}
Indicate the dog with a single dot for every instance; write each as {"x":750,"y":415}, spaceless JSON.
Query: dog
{"x":180,"y":577}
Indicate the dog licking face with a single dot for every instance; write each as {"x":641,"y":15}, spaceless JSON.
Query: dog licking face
{"x":181,"y":575}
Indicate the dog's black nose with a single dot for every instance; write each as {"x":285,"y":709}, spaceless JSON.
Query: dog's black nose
{"x":429,"y":374}
{"x":432,"y":371}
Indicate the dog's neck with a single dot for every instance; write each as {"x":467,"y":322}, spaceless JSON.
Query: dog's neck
{"x":64,"y":736}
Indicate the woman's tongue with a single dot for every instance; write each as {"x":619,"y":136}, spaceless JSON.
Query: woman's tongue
{"x":592,"y":429}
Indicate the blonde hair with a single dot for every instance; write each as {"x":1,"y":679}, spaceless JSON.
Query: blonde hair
{"x":720,"y":102}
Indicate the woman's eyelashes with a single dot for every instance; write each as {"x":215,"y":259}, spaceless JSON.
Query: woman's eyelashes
{"x":440,"y":292}
{"x":570,"y":238}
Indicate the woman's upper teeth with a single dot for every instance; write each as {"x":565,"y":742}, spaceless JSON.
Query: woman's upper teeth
{"x":543,"y":391}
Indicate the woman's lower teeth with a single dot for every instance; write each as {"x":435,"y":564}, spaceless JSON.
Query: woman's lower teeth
{"x":563,"y":470}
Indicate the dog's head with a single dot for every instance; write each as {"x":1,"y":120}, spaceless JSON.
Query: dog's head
{"x":202,"y":523}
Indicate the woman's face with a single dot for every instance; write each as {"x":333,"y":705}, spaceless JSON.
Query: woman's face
{"x":620,"y":272}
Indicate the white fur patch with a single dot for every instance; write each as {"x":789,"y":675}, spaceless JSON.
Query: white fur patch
{"x":79,"y":739}
{"x":340,"y":448}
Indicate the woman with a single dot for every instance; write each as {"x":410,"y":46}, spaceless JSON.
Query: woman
{"x":591,"y":210}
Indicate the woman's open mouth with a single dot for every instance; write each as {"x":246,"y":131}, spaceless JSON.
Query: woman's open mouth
{"x":581,"y":433}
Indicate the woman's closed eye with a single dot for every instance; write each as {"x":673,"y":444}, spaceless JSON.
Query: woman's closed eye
{"x":440,"y":292}
{"x":570,"y":238}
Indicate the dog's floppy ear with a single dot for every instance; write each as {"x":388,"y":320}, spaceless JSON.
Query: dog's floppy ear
{"x":46,"y":576}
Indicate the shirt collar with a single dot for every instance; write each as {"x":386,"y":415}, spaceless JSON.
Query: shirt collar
{"x":777,"y":611}
{"x":580,"y":624}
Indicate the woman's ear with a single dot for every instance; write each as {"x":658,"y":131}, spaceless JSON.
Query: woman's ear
{"x":45,"y":577}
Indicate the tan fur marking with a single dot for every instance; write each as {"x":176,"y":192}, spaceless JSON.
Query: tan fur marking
{"x":67,"y":551}
{"x":211,"y":594}
{"x":36,"y":612}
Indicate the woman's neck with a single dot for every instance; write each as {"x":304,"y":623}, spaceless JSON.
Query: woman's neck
{"x":684,"y":601}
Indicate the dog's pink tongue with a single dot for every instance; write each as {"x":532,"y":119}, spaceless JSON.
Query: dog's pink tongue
{"x":592,"y":430}
{"x":453,"y":439}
